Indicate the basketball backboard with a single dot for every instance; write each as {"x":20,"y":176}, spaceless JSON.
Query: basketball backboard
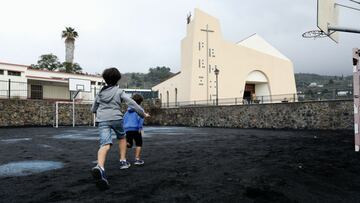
{"x":328,"y":15}
{"x":79,"y":85}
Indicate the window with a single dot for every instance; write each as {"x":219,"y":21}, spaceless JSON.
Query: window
{"x":93,"y":83}
{"x":36,"y":92}
{"x":201,"y":45}
{"x":14,"y":73}
{"x":1,"y":72}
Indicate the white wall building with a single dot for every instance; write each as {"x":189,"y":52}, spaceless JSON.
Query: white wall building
{"x":20,"y":81}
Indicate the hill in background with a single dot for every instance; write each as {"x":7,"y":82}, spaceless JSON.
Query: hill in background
{"x":145,"y":80}
{"x":305,"y":82}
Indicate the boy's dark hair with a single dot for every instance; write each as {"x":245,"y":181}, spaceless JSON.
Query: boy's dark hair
{"x":138,"y":98}
{"x":111,"y":76}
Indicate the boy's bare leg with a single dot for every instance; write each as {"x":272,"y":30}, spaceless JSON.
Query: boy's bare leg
{"x":122,"y":148}
{"x":102,"y":155}
{"x":137,"y":152}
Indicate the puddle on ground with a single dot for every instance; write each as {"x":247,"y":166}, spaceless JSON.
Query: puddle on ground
{"x":16,"y":140}
{"x":46,"y":146}
{"x":77,"y":136}
{"x":25,"y":168}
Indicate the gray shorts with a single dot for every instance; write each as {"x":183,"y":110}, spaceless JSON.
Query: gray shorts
{"x":105,"y":129}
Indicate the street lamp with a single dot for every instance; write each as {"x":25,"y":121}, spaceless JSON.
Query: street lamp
{"x":217,"y":71}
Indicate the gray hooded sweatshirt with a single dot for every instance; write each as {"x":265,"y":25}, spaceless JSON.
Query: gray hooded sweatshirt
{"x":107,"y":104}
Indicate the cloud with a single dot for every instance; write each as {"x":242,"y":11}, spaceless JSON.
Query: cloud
{"x":139,"y":34}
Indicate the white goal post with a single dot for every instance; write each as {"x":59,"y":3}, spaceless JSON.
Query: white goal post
{"x":73,"y":104}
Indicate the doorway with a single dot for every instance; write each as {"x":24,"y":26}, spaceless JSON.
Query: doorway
{"x":249,"y":90}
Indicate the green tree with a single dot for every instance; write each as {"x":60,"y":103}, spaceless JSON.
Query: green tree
{"x":47,"y":62}
{"x":71,"y":68}
{"x":137,"y":80}
{"x":158,"y":74}
{"x":69,"y":34}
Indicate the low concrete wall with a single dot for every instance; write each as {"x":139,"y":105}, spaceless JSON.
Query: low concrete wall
{"x":332,"y":115}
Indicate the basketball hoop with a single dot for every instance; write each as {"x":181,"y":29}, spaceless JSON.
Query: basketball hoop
{"x":314,"y":34}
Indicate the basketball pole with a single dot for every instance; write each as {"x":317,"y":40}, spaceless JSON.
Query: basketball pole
{"x":73,"y":106}
{"x":56,"y":115}
{"x":356,"y":91}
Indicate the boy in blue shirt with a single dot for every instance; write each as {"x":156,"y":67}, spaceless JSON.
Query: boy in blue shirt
{"x":109,"y":118}
{"x":133,"y":126}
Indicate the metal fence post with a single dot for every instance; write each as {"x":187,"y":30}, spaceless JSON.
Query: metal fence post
{"x":235,"y":101}
{"x":9,"y":90}
{"x":294,"y":97}
{"x":356,"y":53}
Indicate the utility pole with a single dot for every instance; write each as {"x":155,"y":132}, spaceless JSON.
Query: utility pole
{"x":217,"y":71}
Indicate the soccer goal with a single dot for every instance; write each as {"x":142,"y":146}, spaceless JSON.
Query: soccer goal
{"x":73,"y":113}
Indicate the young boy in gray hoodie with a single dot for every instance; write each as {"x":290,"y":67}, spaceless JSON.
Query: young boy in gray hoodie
{"x":109,"y":117}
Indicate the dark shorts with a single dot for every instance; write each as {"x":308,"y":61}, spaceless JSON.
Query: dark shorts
{"x":132,"y":136}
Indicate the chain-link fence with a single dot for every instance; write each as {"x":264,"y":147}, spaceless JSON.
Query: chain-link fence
{"x":341,"y":94}
{"x":48,"y":90}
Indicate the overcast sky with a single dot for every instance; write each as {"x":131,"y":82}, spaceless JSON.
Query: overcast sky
{"x":135,"y":35}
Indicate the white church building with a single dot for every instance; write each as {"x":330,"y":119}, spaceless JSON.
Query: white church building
{"x":249,"y":68}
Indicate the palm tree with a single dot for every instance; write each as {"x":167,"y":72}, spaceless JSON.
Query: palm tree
{"x":69,"y":34}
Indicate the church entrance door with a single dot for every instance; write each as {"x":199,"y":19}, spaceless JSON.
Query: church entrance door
{"x":249,"y":90}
